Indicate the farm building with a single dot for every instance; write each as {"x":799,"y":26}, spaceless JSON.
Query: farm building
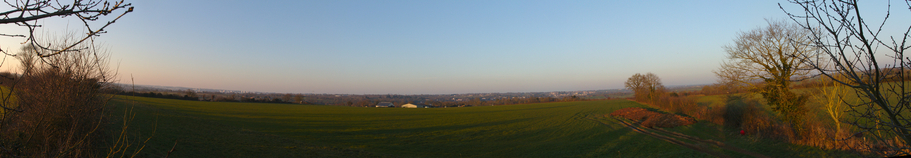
{"x":385,"y":105}
{"x":409,"y":105}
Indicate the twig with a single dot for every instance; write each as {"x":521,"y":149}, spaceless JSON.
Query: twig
{"x":172,"y":149}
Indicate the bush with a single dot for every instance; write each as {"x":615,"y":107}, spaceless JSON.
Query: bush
{"x":59,"y":116}
{"x":59,"y":107}
{"x":740,"y":112}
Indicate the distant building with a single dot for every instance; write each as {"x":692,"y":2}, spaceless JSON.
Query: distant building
{"x":409,"y":105}
{"x":385,"y":105}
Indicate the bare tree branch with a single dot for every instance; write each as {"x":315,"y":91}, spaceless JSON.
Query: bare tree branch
{"x":27,"y":12}
{"x":849,"y":44}
{"x":771,"y":56}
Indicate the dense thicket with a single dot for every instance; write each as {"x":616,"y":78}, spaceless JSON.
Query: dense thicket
{"x":59,"y":107}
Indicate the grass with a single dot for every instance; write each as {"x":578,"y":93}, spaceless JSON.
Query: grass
{"x":564,"y":129}
{"x":773,"y":148}
{"x":11,"y":101}
{"x":817,"y":112}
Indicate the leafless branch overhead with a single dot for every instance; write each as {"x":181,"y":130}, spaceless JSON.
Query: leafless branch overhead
{"x":26,"y":13}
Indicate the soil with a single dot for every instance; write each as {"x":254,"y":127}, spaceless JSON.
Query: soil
{"x":653,"y":119}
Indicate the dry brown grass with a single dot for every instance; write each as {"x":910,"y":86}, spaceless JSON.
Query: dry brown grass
{"x":653,"y":119}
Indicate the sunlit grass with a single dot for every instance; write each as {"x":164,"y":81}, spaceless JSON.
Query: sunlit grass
{"x":10,"y":102}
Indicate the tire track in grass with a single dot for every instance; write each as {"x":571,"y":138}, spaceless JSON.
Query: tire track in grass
{"x":712,"y":142}
{"x":674,"y":138}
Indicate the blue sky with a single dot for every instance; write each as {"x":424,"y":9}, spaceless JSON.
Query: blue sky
{"x":423,"y":47}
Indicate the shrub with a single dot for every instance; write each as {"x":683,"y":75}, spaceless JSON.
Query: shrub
{"x":59,"y":116}
{"x":59,"y":106}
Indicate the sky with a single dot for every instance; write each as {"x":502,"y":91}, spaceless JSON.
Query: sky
{"x":419,"y":47}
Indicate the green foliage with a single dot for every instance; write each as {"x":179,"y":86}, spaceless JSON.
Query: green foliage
{"x":790,"y":105}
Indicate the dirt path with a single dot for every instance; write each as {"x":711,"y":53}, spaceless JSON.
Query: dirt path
{"x":675,"y":138}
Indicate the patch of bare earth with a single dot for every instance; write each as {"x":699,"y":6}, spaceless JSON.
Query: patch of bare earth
{"x":653,"y":119}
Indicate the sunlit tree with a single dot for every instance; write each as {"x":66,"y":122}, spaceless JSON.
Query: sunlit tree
{"x":768,"y":60}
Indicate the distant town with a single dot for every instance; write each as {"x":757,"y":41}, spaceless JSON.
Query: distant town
{"x":371,"y":100}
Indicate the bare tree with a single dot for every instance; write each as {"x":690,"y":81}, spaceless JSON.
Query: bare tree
{"x":772,"y":56}
{"x":299,"y":98}
{"x":191,"y":94}
{"x":831,"y":98}
{"x":286,"y":97}
{"x":850,"y":42}
{"x":730,"y":81}
{"x":645,"y":87}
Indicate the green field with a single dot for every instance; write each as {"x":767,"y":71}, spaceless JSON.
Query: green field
{"x":564,"y":129}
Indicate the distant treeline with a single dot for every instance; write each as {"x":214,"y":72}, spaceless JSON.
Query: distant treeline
{"x":355,"y":100}
{"x":371,"y":100}
{"x":158,"y":95}
{"x":194,"y":97}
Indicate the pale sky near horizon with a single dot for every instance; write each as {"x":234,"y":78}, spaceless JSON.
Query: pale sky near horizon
{"x":422,"y":47}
